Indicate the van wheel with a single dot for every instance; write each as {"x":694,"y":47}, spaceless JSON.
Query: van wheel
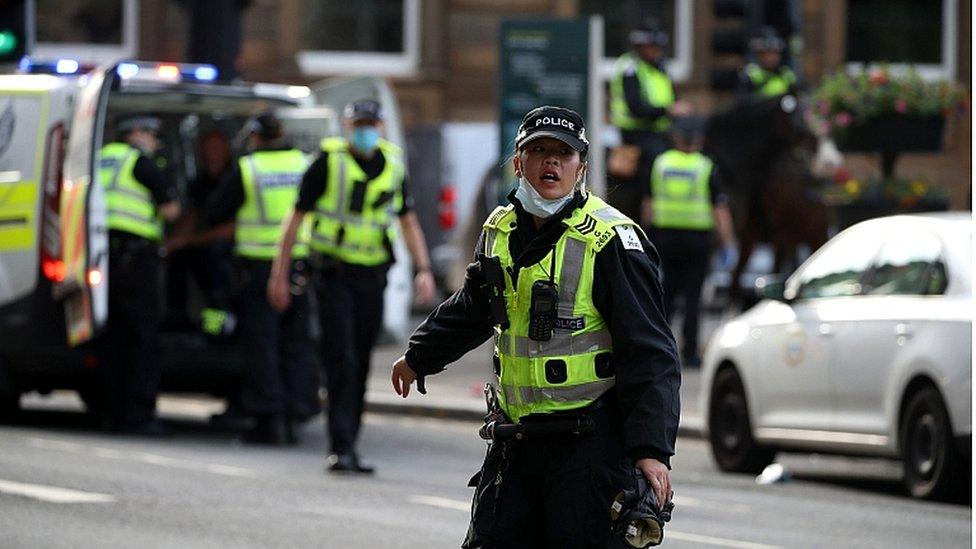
{"x":729,"y":428}
{"x":933,"y":467}
{"x":9,"y":395}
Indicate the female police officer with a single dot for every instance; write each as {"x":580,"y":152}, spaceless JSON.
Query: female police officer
{"x":587,"y":370}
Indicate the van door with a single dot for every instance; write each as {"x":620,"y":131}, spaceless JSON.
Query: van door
{"x":336,"y":93}
{"x":84,"y":230}
{"x":306,"y":127}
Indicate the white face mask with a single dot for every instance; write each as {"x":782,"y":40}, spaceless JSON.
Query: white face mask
{"x":535,"y":204}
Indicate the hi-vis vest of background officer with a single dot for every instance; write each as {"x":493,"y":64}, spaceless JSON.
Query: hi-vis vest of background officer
{"x":354,"y":216}
{"x":655,"y":88}
{"x":271,"y":180}
{"x":129,"y":203}
{"x":679,"y":186}
{"x":574,"y":367}
{"x":770,"y":83}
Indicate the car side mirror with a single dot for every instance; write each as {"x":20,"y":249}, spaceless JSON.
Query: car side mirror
{"x":772,"y":287}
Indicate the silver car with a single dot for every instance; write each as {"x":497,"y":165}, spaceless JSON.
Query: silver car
{"x":865,"y":350}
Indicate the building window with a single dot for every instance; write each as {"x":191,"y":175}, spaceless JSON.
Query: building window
{"x":92,"y":31}
{"x":920,"y":33}
{"x":620,"y":16}
{"x":377,"y":37}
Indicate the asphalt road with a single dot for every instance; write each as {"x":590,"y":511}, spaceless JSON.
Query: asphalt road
{"x":65,"y":485}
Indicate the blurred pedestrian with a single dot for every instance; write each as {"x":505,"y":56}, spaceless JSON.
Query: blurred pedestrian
{"x":138,"y":197}
{"x":685,"y":202}
{"x":642,"y":104}
{"x":768,"y":76}
{"x":208,"y":263}
{"x":587,"y":372}
{"x":279,"y":387}
{"x":354,"y":191}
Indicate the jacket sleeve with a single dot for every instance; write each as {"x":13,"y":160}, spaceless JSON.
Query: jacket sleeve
{"x":162,"y":187}
{"x":627,"y":291}
{"x":226,"y":199}
{"x":456,"y":326}
{"x":635,"y":102}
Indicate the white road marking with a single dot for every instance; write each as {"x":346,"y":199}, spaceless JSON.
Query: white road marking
{"x":52,"y":494}
{"x":715,"y":541}
{"x":686,"y":501}
{"x":443,"y":503}
{"x":143,"y":457}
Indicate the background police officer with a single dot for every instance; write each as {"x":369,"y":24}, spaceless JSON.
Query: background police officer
{"x":642,"y":103}
{"x":139,"y":197}
{"x":570,"y":289}
{"x":684,"y":203}
{"x":768,"y":76}
{"x":279,"y":387}
{"x":354,"y":190}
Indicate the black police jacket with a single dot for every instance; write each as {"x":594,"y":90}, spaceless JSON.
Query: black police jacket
{"x":628,"y":294}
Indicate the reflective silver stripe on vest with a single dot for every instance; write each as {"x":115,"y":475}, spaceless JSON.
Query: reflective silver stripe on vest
{"x":561,"y":344}
{"x":573,"y":393}
{"x":132,"y":216}
{"x":609,"y":215}
{"x":569,"y":276}
{"x":257,"y":248}
{"x":490,"y":235}
{"x":341,"y":213}
{"x":114,"y":185}
{"x":258,"y":197}
{"x":346,"y":245}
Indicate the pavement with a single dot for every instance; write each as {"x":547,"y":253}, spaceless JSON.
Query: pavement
{"x":457,"y":393}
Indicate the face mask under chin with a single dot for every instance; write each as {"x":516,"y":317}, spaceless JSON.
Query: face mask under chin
{"x":535,"y":204}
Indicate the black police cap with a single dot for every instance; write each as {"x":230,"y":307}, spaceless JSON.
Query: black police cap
{"x":649,"y":33}
{"x":266,"y":125}
{"x":767,"y":40}
{"x":132,"y":122}
{"x":563,"y":124}
{"x":688,"y":126}
{"x":363,"y":109}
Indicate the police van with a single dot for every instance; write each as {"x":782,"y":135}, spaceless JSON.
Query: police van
{"x":54,"y":119}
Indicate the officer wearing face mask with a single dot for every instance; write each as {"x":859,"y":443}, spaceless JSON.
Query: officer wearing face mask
{"x":355,"y":191}
{"x":587,"y":371}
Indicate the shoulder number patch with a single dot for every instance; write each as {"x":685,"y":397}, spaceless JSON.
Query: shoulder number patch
{"x":628,"y":237}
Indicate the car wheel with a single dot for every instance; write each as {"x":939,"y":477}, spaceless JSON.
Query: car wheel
{"x":933,"y":468}
{"x":729,"y":428}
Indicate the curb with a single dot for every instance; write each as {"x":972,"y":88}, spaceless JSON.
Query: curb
{"x":691,"y":425}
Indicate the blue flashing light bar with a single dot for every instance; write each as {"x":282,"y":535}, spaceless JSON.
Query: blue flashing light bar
{"x":166,"y":72}
{"x":205,"y":73}
{"x":64,"y":67}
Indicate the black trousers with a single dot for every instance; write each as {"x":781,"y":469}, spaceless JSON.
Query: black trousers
{"x":131,"y":344}
{"x":280,"y":376}
{"x":551,"y":491}
{"x":685,"y":257}
{"x":351,"y":314}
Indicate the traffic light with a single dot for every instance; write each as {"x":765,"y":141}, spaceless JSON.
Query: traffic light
{"x":13,"y":30}
{"x":739,"y":20}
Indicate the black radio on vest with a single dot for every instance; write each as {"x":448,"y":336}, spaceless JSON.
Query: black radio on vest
{"x":542,"y":307}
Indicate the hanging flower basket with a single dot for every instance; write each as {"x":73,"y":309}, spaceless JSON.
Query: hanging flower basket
{"x":893,"y":132}
{"x":854,"y":200}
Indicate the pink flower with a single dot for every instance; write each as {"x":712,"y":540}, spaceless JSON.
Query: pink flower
{"x":901,"y":105}
{"x":824,"y":108}
{"x":843,"y":119}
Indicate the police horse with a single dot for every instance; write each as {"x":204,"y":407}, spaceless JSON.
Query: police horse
{"x":764,"y":152}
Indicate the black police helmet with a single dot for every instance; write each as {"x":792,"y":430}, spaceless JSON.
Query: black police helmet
{"x":767,"y":40}
{"x":649,"y":33}
{"x":557,"y":122}
{"x":363,"y":109}
{"x":266,"y":125}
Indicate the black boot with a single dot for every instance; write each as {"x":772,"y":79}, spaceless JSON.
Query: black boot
{"x":267,"y":430}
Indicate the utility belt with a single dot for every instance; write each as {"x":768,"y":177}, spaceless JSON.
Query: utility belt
{"x":498,"y":427}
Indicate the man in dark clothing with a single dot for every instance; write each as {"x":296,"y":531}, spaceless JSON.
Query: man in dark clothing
{"x":138,"y":197}
{"x":642,"y":103}
{"x":279,"y":387}
{"x":683,"y":203}
{"x":584,"y":357}
{"x":355,"y":191}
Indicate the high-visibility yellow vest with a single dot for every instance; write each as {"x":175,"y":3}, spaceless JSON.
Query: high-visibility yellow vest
{"x":354,"y":216}
{"x":129,"y":203}
{"x":679,"y":186}
{"x":655,"y":87}
{"x":574,"y":367}
{"x":271,"y":180}
{"x":770,"y":83}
